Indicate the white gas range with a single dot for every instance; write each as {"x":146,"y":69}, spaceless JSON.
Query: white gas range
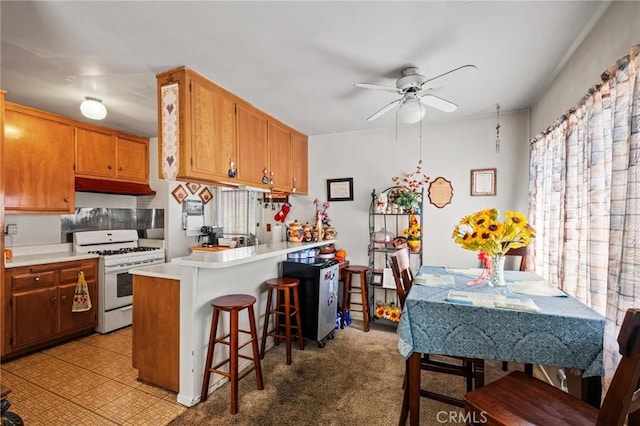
{"x":118,"y":253}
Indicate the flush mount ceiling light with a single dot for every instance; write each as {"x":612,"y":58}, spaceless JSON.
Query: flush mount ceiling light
{"x":411,"y":111}
{"x":93,"y":108}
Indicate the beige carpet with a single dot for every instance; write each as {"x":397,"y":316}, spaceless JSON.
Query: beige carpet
{"x":356,"y":379}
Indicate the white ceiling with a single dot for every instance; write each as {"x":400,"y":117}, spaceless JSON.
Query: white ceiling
{"x":295,"y":60}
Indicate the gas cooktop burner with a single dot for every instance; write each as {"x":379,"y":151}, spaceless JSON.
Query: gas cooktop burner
{"x":122,"y":251}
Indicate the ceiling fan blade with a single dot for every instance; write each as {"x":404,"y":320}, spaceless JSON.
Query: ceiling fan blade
{"x":377,"y":87}
{"x":443,"y":79}
{"x":438,"y":103}
{"x":384,"y":109}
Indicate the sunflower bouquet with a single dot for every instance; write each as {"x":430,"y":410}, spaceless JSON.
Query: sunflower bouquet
{"x":389,"y":312}
{"x":483,"y":231}
{"x":414,"y":231}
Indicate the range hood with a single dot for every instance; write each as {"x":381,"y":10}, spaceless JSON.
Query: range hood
{"x":112,"y":187}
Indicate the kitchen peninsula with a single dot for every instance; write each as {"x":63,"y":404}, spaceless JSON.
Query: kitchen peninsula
{"x":172,"y":310}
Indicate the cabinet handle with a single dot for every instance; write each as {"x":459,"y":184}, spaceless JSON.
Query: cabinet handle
{"x":293,"y":188}
{"x":232,"y":170}
{"x":271,"y":178}
{"x":109,"y":167}
{"x":66,"y":199}
{"x":63,"y":297}
{"x":53,"y":299}
{"x":120,"y":168}
{"x":37,"y":278}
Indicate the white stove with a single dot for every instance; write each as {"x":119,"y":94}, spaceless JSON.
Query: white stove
{"x":118,"y":253}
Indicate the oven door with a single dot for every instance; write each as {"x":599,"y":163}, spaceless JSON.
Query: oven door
{"x":118,"y":287}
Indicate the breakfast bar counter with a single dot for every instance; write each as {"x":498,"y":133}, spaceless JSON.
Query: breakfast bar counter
{"x":204,"y":276}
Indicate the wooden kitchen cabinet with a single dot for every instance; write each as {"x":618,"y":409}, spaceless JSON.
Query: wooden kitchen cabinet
{"x":156,"y":330}
{"x":198,"y":128}
{"x":37,"y":164}
{"x":209,"y":135}
{"x":280,"y":162}
{"x":47,"y":290}
{"x":253,"y":155}
{"x":104,"y":154}
{"x":299,"y":163}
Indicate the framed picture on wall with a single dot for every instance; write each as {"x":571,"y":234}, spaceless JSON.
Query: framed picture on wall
{"x":483,"y":182}
{"x":340,"y":189}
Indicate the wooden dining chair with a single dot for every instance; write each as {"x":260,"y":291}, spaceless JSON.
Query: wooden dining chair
{"x":470,"y":368}
{"x":519,"y":399}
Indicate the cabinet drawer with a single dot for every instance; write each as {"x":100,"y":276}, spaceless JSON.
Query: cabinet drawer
{"x":70,"y":274}
{"x":32,"y":279}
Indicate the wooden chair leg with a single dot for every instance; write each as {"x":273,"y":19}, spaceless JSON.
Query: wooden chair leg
{"x":233,"y":367}
{"x":212,"y":341}
{"x":254,"y":344}
{"x":365,"y":306}
{"x":296,"y":302}
{"x":265,"y":327}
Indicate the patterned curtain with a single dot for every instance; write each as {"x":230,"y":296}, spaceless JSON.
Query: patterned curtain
{"x":584,"y":200}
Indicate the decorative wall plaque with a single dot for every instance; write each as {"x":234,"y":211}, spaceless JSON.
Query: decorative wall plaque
{"x":440,"y":192}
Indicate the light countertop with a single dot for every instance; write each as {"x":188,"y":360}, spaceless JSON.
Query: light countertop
{"x":169,"y":271}
{"x":242,"y":255}
{"x":40,"y":255}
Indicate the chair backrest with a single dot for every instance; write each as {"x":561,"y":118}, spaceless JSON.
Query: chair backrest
{"x":625,"y":380}
{"x":522,"y":252}
{"x":400,"y":265}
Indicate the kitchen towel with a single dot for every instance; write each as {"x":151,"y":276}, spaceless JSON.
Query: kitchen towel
{"x":81,"y":299}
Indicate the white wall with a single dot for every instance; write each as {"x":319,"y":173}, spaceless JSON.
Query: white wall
{"x":610,"y":39}
{"x":450,"y":149}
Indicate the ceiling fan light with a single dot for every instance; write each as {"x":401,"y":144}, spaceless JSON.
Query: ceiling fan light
{"x":93,"y":108}
{"x":411,"y":111}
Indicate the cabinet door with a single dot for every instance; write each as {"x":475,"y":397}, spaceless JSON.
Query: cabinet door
{"x":95,"y":153}
{"x":253,"y":157}
{"x":33,"y":316}
{"x":279,"y":156}
{"x":74,"y":321}
{"x":132,"y":159}
{"x":212,"y":147}
{"x":38,"y":162}
{"x":300,"y":163}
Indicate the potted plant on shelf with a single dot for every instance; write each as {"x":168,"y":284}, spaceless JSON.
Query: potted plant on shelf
{"x":409,"y":195}
{"x":413,"y":234}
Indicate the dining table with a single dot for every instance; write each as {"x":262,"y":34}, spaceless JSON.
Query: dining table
{"x":526,"y":321}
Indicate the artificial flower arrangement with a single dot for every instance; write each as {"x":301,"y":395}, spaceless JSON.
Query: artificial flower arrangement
{"x":321,"y":211}
{"x":483,"y":231}
{"x":414,"y":231}
{"x":411,"y":186}
{"x":389,"y":312}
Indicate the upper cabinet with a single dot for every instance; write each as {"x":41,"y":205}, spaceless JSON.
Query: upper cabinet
{"x":37,"y":165}
{"x":209,"y":135}
{"x":300,"y":163}
{"x":253,"y":155}
{"x":104,"y":154}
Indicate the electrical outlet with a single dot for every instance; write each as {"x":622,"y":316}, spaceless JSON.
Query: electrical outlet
{"x":12,"y":229}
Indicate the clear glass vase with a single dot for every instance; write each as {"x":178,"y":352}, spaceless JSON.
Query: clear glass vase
{"x":497,"y":271}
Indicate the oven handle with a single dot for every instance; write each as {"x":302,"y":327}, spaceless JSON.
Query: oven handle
{"x":127,"y":308}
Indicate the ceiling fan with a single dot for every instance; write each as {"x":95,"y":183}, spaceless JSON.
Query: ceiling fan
{"x":414,"y":88}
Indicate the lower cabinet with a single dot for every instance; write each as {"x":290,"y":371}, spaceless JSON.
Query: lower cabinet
{"x":38,"y":304}
{"x":156,"y":331}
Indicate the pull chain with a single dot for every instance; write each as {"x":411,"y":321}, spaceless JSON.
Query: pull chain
{"x":497,"y":128}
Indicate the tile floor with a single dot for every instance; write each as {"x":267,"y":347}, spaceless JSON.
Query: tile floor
{"x":87,"y":381}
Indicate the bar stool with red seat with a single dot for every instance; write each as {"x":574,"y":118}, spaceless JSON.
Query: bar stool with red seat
{"x":233,"y":304}
{"x":350,"y":289}
{"x":286,"y":288}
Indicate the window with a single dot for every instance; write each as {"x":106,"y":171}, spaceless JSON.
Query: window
{"x":237,"y":211}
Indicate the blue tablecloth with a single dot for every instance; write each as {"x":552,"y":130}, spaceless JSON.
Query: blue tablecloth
{"x":565,"y":332}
